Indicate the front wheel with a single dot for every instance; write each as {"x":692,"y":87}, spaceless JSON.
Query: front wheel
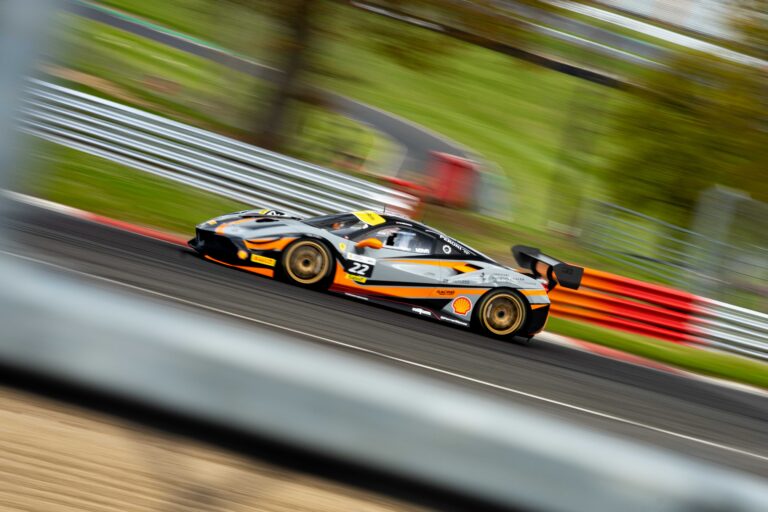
{"x":501,"y":313}
{"x":307,"y":263}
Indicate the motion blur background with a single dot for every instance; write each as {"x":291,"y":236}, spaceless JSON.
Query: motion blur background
{"x":627,"y":136}
{"x":613,"y":132}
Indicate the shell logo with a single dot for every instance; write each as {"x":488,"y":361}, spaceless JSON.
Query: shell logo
{"x":461,"y":305}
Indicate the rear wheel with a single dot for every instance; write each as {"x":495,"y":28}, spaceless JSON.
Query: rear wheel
{"x":501,"y":313}
{"x":307,"y":263}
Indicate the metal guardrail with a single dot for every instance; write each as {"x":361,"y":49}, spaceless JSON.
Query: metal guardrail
{"x":197,"y":157}
{"x":732,"y":328}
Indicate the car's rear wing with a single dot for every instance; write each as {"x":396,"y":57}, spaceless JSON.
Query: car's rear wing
{"x":554,"y":271}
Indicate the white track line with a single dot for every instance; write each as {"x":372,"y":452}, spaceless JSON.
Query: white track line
{"x":407,"y":362}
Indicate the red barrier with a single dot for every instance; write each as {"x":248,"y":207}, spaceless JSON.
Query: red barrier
{"x":453,"y":180}
{"x":629,"y":305}
{"x":418,"y":191}
{"x":653,"y":293}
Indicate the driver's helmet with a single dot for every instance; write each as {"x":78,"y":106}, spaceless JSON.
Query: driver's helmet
{"x":403,"y":240}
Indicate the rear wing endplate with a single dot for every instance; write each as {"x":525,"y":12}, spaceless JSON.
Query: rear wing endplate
{"x":554,"y":271}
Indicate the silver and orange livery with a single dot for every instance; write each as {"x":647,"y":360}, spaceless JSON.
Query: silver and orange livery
{"x":392,"y":261}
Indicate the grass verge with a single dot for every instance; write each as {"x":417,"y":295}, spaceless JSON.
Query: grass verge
{"x":715,"y":364}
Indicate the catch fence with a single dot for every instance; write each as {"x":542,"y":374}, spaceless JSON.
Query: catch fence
{"x":724,"y":256}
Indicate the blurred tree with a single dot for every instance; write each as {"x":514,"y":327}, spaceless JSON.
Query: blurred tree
{"x":306,"y":22}
{"x":706,"y":122}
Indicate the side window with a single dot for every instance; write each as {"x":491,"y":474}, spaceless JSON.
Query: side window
{"x":404,"y":239}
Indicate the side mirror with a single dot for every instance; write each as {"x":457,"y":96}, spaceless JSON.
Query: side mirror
{"x":371,"y":243}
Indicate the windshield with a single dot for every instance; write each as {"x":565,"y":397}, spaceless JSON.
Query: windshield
{"x":341,"y":225}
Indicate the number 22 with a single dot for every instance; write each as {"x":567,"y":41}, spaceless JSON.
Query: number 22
{"x":359,"y":268}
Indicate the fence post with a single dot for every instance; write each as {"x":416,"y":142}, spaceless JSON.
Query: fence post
{"x":713,"y":217}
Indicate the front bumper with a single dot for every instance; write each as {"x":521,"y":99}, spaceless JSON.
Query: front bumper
{"x":221,"y":247}
{"x":232,"y":251}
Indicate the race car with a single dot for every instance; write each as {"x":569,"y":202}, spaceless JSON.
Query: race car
{"x":392,"y":261}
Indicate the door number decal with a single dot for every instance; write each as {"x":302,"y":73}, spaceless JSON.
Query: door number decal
{"x":361,"y":269}
{"x":359,"y":265}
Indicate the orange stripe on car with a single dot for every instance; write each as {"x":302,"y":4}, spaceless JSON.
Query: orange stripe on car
{"x":268,"y":272}
{"x":531,"y":293}
{"x":436,"y":263}
{"x":276,"y":245}
{"x":459,"y":266}
{"x":410,"y":292}
{"x":221,"y":227}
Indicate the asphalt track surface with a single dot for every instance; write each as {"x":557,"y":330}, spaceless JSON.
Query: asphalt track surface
{"x":721,"y":425}
{"x":417,"y":142}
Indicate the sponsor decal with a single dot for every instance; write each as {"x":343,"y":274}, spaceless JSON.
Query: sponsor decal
{"x":446,"y":293}
{"x":370,"y":218}
{"x":243,"y":255}
{"x":357,"y":279}
{"x":505,"y":277}
{"x":263,"y":260}
{"x":359,"y":265}
{"x":461,"y":305}
{"x":447,"y":249}
{"x":452,"y":243}
{"x":422,"y":311}
{"x":342,"y":246}
{"x":421,"y":250}
{"x":453,"y":321}
{"x":362,"y":259}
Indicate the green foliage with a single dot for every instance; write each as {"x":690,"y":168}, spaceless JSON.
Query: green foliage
{"x":703,"y":121}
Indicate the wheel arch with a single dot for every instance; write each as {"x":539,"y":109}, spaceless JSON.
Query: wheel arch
{"x":476,"y":321}
{"x":332,"y":252}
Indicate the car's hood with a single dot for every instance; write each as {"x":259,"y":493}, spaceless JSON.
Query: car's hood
{"x":254,"y":227}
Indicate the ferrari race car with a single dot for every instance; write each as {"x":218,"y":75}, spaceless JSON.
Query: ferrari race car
{"x":392,"y":261}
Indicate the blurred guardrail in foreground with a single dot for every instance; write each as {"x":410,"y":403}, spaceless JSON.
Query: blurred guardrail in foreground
{"x":197,"y":157}
{"x":260,"y":381}
{"x":651,"y":310}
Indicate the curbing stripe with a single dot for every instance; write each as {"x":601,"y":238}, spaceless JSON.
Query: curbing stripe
{"x":156,"y":234}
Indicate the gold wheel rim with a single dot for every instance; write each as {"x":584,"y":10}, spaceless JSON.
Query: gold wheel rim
{"x":503,"y":314}
{"x":307,"y":262}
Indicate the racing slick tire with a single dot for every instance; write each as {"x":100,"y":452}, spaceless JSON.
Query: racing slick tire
{"x":309,"y":263}
{"x":501,"y":314}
